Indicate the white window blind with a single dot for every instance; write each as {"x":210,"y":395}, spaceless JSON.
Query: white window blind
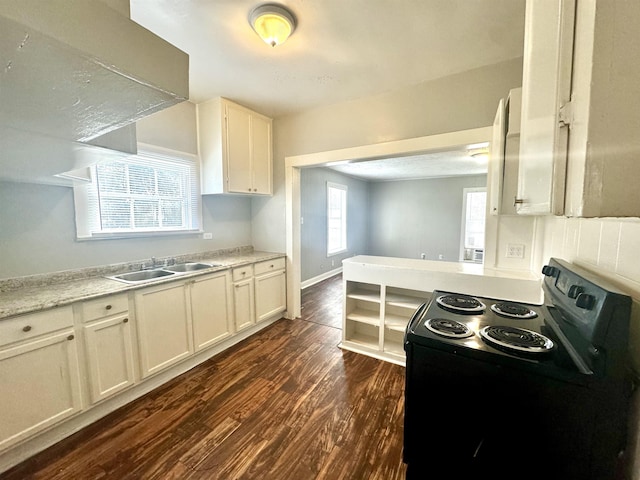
{"x":336,"y":218}
{"x":153,"y":191}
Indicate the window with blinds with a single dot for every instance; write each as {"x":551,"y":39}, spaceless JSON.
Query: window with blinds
{"x":336,"y":218}
{"x":147,"y":193}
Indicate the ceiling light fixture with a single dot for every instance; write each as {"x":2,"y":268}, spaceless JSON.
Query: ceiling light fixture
{"x":480,"y":155}
{"x":272,"y":23}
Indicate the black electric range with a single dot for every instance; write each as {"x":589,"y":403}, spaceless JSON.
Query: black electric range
{"x":510,"y":390}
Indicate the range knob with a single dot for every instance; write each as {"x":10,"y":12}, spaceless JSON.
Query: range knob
{"x":574,"y":291}
{"x":550,"y":271}
{"x":585,"y":301}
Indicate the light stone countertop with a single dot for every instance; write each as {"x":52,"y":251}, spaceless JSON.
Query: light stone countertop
{"x":58,"y":291}
{"x":458,"y":277}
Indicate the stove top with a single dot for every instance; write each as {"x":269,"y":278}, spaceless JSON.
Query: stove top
{"x":493,"y":330}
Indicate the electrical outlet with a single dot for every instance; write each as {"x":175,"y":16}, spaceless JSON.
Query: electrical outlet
{"x":207,"y":236}
{"x":515,"y":250}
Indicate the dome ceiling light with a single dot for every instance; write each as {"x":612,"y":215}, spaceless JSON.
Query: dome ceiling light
{"x":272,"y":23}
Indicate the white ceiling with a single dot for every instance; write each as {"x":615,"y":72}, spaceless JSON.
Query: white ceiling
{"x":430,"y":165}
{"x":341,"y":50}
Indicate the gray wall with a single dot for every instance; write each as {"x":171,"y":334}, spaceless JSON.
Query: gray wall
{"x":458,"y":102}
{"x":37,"y":222}
{"x":411,"y":217}
{"x":37,"y":232}
{"x":313,"y":208}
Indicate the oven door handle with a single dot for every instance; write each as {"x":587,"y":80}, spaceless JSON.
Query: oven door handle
{"x":417,"y":315}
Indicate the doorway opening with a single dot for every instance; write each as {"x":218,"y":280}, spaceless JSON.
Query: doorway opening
{"x":395,"y":149}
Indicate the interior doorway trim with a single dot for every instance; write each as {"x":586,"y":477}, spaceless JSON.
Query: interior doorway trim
{"x":398,"y":148}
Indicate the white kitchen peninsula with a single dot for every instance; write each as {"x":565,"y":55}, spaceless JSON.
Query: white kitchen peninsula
{"x":381,"y":294}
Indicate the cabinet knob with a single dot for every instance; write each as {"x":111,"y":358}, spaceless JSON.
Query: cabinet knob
{"x":237,"y":286}
{"x":126,"y":320}
{"x":108,"y":307}
{"x":271,"y":266}
{"x":26,"y":328}
{"x":255,"y":189}
{"x":249,"y":189}
{"x":71,"y":337}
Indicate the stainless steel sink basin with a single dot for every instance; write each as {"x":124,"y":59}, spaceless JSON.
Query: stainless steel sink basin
{"x":188,"y":267}
{"x":142,"y":276}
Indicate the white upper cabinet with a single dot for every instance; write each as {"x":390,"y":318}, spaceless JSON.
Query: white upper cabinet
{"x":578,"y":158}
{"x":505,"y":145}
{"x":546,"y":89}
{"x":235,"y":147}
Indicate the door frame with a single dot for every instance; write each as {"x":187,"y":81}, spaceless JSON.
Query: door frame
{"x":398,"y":148}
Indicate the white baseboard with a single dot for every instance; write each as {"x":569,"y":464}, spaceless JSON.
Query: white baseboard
{"x":319,"y":278}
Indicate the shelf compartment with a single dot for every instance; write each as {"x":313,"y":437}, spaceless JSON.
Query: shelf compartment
{"x":365,"y":295}
{"x":363,"y":334}
{"x":404,"y":298}
{"x":361,"y":315}
{"x":394,"y":342}
{"x":397,"y":323}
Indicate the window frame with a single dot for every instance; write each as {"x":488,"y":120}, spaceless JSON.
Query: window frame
{"x":343,"y":219}
{"x":86,"y":200}
{"x":463,"y":229}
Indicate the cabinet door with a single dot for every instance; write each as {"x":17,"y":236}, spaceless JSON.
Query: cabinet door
{"x":164,"y":329}
{"x":41,"y":386}
{"x":496,"y":160}
{"x":261,"y":155}
{"x":109,"y":356}
{"x":271,"y":295}
{"x":210,"y":310}
{"x":243,"y":307}
{"x":238,"y":155}
{"x":546,"y":87}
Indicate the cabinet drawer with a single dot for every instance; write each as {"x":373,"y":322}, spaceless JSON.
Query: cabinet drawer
{"x":269,"y":266}
{"x":104,"y":307}
{"x":242,"y":273}
{"x":32,"y":325}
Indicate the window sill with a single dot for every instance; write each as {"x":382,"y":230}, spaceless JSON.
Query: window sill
{"x":131,"y":235}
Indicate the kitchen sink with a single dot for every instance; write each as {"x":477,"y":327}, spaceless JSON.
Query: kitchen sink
{"x":150,"y":275}
{"x":142,"y":276}
{"x":188,"y":267}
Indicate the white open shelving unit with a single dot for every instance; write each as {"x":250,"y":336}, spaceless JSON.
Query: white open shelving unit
{"x":375,"y":318}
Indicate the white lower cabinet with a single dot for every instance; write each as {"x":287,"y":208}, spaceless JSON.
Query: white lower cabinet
{"x":259,"y":292}
{"x":108,"y":342}
{"x":39,"y":373}
{"x":270,"y":288}
{"x":243,"y":297}
{"x":109,"y":350}
{"x":210,"y":298}
{"x":164,"y":327}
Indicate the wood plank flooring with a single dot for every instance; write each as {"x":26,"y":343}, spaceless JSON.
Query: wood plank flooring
{"x":285,"y":404}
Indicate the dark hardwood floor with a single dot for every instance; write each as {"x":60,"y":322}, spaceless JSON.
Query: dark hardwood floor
{"x":322,"y":302}
{"x":285,"y":404}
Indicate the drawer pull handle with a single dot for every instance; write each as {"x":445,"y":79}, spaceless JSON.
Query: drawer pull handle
{"x":26,"y":328}
{"x":108,"y":307}
{"x":126,"y":320}
{"x":71,"y":337}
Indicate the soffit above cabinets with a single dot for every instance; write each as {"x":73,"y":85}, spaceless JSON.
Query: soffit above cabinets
{"x":79,"y":72}
{"x":75,"y":71}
